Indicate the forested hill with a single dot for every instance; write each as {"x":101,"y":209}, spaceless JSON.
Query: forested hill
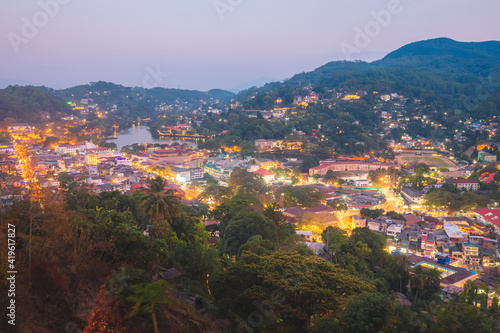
{"x":449,"y":74}
{"x":31,"y":104}
{"x":446,"y":54}
{"x":107,"y":93}
{"x":38,"y":104}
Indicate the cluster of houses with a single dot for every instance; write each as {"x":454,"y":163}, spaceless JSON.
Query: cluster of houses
{"x":414,"y":198}
{"x":460,"y":247}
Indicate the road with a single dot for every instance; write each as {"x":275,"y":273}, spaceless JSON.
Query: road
{"x":392,"y":203}
{"x":26,"y":170}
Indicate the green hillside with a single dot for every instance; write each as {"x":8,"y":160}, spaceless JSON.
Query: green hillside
{"x":31,"y":104}
{"x":448,"y":74}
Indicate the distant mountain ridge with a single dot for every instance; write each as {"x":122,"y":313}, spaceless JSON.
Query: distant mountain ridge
{"x":166,"y":95}
{"x":448,"y":74}
{"x":454,"y":75}
{"x":444,"y":53}
{"x":38,"y":104}
{"x":477,"y":58}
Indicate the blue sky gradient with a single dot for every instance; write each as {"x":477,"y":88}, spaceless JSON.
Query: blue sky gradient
{"x":201,"y":48}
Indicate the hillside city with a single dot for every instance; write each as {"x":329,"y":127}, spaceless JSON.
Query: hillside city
{"x":341,"y":209}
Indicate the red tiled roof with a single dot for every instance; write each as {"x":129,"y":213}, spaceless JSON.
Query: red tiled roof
{"x":320,"y":208}
{"x":411,"y":219}
{"x":293,"y":211}
{"x":465,"y":181}
{"x":342,"y":162}
{"x":264,"y":172}
{"x":488,"y":178}
{"x":490,"y":215}
{"x":431,"y":219}
{"x":214,"y":222}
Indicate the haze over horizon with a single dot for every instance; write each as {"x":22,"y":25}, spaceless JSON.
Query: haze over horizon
{"x":216,"y":44}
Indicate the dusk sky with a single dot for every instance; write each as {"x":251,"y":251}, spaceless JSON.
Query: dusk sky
{"x":202,"y":47}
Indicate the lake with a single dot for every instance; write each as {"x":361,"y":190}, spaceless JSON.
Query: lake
{"x":141,"y":135}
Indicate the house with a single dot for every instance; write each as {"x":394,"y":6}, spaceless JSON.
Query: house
{"x":268,"y":176}
{"x":468,"y":170}
{"x":450,"y":275}
{"x":486,"y":157}
{"x":411,"y":219}
{"x":457,"y":220}
{"x":169,"y":275}
{"x":293,"y":212}
{"x":466,"y":184}
{"x":196,"y":173}
{"x":214,"y":171}
{"x":412,"y":195}
{"x":487,"y":215}
{"x":358,"y":221}
{"x":264,"y":144}
{"x":306,"y":233}
{"x":73,"y":149}
{"x":428,"y":242}
{"x":471,"y":253}
{"x":394,"y":229}
{"x":181,"y":175}
{"x":318,"y":209}
{"x":361,"y":182}
{"x":455,"y":234}
{"x":178,"y":192}
{"x":265,"y":163}
{"x":375,"y":226}
{"x":348,"y":165}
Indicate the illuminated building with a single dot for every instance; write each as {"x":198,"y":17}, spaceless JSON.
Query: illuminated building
{"x":92,"y":159}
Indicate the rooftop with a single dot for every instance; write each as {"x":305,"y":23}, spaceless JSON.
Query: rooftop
{"x":491,"y":215}
{"x":264,"y":172}
{"x":449,"y":274}
{"x":465,"y":181}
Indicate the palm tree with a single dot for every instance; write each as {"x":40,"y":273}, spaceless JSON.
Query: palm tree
{"x":400,"y":269}
{"x":417,"y":282}
{"x":156,"y":185}
{"x":161,"y":205}
{"x":148,"y":297}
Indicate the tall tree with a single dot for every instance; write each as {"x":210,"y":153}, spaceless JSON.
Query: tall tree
{"x":161,"y":205}
{"x":417,"y":282}
{"x":399,"y":269}
{"x":147,"y":298}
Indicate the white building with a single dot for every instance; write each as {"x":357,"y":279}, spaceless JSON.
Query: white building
{"x":73,"y":149}
{"x":412,"y":195}
{"x":361,"y":182}
{"x":394,"y":229}
{"x":306,"y":233}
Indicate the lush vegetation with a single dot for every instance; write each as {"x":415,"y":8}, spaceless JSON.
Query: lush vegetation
{"x":92,"y":261}
{"x":31,"y":104}
{"x":446,"y":74}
